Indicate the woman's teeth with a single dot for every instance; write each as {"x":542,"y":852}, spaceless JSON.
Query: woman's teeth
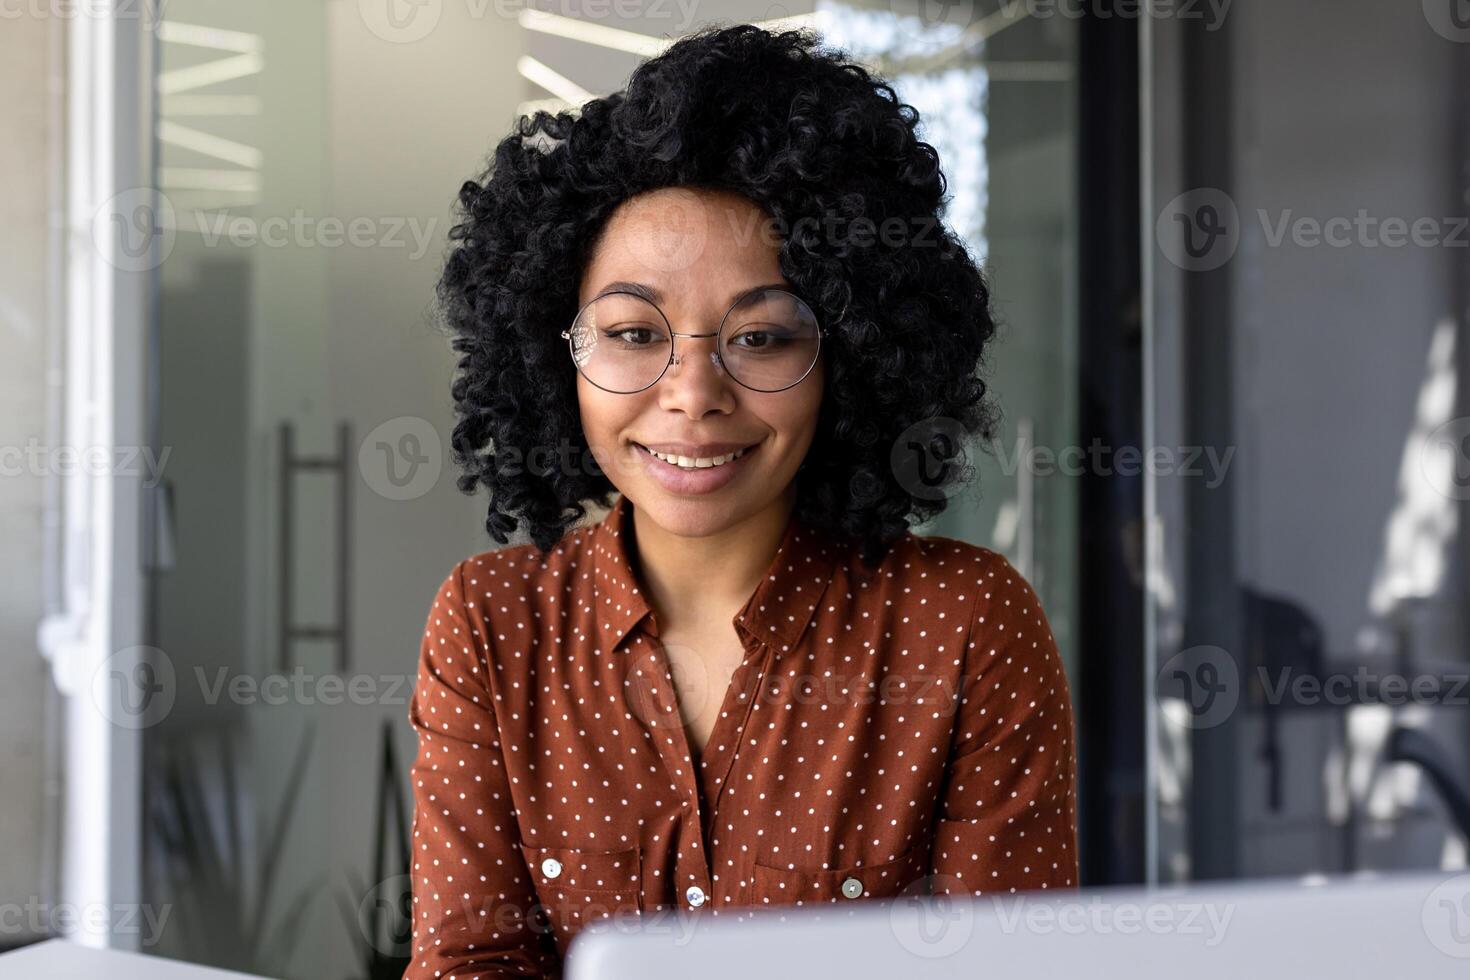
{"x":696,"y":462}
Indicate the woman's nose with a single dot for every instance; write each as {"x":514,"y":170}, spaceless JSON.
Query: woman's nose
{"x":697,"y":392}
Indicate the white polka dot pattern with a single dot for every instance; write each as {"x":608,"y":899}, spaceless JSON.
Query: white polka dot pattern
{"x":895,"y":727}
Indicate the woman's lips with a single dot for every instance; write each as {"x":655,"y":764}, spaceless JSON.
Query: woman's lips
{"x":676,"y":479}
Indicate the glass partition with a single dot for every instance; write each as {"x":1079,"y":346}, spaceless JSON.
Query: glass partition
{"x":1306,"y":336}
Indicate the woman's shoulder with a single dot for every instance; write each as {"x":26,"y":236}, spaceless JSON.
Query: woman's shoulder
{"x":982,"y":583}
{"x":513,"y":570}
{"x":928,"y":577}
{"x":1007,"y":621}
{"x":509,"y":596}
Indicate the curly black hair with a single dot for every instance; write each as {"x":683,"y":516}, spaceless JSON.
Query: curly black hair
{"x":819,"y":143}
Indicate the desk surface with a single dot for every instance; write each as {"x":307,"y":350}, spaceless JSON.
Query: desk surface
{"x":58,"y":959}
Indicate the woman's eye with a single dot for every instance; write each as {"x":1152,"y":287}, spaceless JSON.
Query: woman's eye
{"x":634,"y":336}
{"x":758,"y":339}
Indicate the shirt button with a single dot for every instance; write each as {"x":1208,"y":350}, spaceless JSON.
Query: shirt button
{"x":852,"y":888}
{"x":695,"y":895}
{"x":551,"y":867}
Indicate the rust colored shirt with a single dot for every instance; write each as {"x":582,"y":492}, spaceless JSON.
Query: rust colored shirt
{"x":890,"y":729}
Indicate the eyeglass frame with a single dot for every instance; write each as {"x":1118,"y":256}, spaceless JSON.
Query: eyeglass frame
{"x":673,"y":351}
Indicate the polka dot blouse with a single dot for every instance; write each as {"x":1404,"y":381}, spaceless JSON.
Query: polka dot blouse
{"x":900,"y":728}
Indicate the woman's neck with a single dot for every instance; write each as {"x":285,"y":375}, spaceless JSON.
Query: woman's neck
{"x":707,"y":579}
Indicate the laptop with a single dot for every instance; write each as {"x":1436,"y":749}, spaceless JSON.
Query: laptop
{"x":1411,"y":925}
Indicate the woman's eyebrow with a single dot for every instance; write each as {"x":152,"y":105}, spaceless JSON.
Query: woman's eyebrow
{"x":742,"y":294}
{"x":638,"y":289}
{"x":654,"y":295}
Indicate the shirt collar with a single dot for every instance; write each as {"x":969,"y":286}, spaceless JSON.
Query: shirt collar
{"x":777,"y":612}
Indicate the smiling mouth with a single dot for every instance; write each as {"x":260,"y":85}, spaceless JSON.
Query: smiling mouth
{"x":697,"y":462}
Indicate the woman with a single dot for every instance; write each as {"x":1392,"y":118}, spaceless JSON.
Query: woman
{"x":725,"y":295}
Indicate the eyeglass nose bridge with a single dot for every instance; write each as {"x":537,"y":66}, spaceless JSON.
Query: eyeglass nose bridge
{"x":676,"y":359}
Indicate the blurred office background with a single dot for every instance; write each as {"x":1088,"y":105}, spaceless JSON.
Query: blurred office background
{"x":1233,"y":234}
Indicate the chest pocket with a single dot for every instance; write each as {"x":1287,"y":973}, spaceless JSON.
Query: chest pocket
{"x":578,"y":886}
{"x":773,"y":884}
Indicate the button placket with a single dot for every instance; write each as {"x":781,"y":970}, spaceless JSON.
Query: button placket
{"x":739,"y":702}
{"x":748,"y":680}
{"x":700,"y":800}
{"x":669,"y":740}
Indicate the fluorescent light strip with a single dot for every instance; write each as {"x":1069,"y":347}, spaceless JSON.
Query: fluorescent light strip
{"x":198,"y":203}
{"x":210,"y":145}
{"x":554,"y":82}
{"x":200,"y":36}
{"x":793,"y":21}
{"x":209,"y":73}
{"x":992,"y":24}
{"x":614,"y":38}
{"x":204,"y":179}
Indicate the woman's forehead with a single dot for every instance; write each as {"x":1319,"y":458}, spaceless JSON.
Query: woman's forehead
{"x":679,"y":240}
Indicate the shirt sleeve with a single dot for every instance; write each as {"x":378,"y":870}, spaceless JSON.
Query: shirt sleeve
{"x":1008,"y":817}
{"x":472,"y":892}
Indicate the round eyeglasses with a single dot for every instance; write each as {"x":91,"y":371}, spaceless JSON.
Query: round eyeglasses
{"x":768,"y":341}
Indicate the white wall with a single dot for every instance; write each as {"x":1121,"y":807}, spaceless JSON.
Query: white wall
{"x":27,"y":180}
